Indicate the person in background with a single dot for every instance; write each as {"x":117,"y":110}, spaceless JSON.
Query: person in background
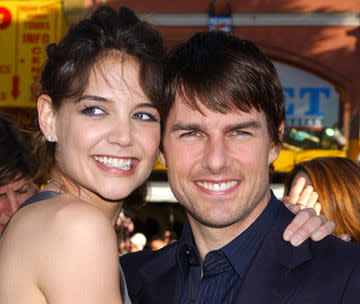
{"x":156,"y":242}
{"x":330,"y":185}
{"x":18,"y":168}
{"x":169,"y":236}
{"x":137,"y":242}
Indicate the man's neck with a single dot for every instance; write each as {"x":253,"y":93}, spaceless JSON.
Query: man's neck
{"x":209,"y":238}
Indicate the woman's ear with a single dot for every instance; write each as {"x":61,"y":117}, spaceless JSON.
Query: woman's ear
{"x":46,"y":117}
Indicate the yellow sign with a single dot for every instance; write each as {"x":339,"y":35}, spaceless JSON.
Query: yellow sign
{"x":288,"y":159}
{"x":26,"y":27}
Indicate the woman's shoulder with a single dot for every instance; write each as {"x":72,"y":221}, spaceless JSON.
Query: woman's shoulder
{"x":59,"y":217}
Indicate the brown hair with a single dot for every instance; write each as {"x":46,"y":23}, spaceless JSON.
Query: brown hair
{"x":16,"y":160}
{"x":224,"y":73}
{"x":337,"y":182}
{"x":104,"y":33}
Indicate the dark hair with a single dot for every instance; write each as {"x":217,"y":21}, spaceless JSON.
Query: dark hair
{"x":16,"y":160}
{"x":224,"y":73}
{"x":67,"y":69}
{"x":337,"y":182}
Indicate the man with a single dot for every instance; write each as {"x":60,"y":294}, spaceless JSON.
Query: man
{"x":17,"y":169}
{"x":223,"y":126}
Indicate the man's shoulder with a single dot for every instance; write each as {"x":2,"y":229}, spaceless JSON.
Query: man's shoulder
{"x":149,"y":257}
{"x":329,"y":250}
{"x":338,"y":250}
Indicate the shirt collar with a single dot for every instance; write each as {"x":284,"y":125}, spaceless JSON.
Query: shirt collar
{"x":239,"y":251}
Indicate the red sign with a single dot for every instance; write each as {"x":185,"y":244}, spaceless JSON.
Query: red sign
{"x":5,"y":18}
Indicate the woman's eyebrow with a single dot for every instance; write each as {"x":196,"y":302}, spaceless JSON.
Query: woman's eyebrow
{"x":145,"y":104}
{"x":91,"y":97}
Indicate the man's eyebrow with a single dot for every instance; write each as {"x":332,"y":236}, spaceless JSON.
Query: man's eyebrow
{"x":184,"y":126}
{"x":91,"y":97}
{"x":251,"y":124}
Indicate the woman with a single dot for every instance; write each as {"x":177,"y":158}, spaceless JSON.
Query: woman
{"x":336,"y":182}
{"x":100,"y":90}
{"x":98,"y":110}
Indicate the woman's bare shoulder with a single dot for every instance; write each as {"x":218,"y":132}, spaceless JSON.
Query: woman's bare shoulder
{"x":63,"y":220}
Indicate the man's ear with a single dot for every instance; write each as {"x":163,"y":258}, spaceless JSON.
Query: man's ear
{"x":276,"y":147}
{"x":162,"y":158}
{"x":46,"y":117}
{"x":281,"y":131}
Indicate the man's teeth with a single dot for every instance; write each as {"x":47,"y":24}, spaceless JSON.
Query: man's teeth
{"x":119,"y":163}
{"x":217,"y":186}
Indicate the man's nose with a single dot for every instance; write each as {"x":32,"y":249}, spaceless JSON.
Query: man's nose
{"x":12,"y":203}
{"x":216,"y":157}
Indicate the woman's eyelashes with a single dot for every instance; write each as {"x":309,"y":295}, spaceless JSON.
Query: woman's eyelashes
{"x":101,"y":111}
{"x":145,"y":116}
{"x":93,"y":111}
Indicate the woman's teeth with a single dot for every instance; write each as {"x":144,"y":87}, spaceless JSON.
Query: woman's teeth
{"x":119,"y":163}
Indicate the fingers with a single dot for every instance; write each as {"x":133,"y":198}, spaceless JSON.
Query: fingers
{"x":292,"y":207}
{"x":295,"y":233}
{"x":327,"y":228}
{"x":308,"y":197}
{"x":345,"y":237}
{"x":296,"y":190}
{"x":307,"y":224}
{"x":317,"y":208}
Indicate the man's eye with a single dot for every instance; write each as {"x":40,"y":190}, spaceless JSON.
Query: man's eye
{"x":190,"y":133}
{"x":92,"y":111}
{"x":239,"y":132}
{"x":144,"y":116}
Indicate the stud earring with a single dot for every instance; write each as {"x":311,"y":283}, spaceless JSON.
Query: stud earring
{"x":49,"y":138}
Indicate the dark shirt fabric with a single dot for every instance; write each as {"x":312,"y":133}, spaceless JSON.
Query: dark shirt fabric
{"x":325,"y":272}
{"x":223,"y":269}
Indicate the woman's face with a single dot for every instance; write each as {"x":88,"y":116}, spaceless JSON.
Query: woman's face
{"x":108,"y":138}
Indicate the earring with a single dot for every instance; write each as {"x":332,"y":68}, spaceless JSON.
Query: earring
{"x":49,"y":138}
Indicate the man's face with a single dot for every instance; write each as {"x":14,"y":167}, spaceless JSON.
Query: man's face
{"x":218,"y":164}
{"x":12,"y":195}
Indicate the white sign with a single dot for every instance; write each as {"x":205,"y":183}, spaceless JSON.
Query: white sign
{"x":311,"y":102}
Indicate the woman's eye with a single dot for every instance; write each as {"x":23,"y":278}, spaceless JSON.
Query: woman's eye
{"x":92,"y":111}
{"x":144,"y":116}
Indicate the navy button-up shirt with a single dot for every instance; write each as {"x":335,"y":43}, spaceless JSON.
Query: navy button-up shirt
{"x":223,"y":269}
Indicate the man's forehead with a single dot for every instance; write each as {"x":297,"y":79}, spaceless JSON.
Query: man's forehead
{"x":183,"y":104}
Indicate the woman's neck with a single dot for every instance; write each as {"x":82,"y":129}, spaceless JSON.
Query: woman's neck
{"x":60,"y":183}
